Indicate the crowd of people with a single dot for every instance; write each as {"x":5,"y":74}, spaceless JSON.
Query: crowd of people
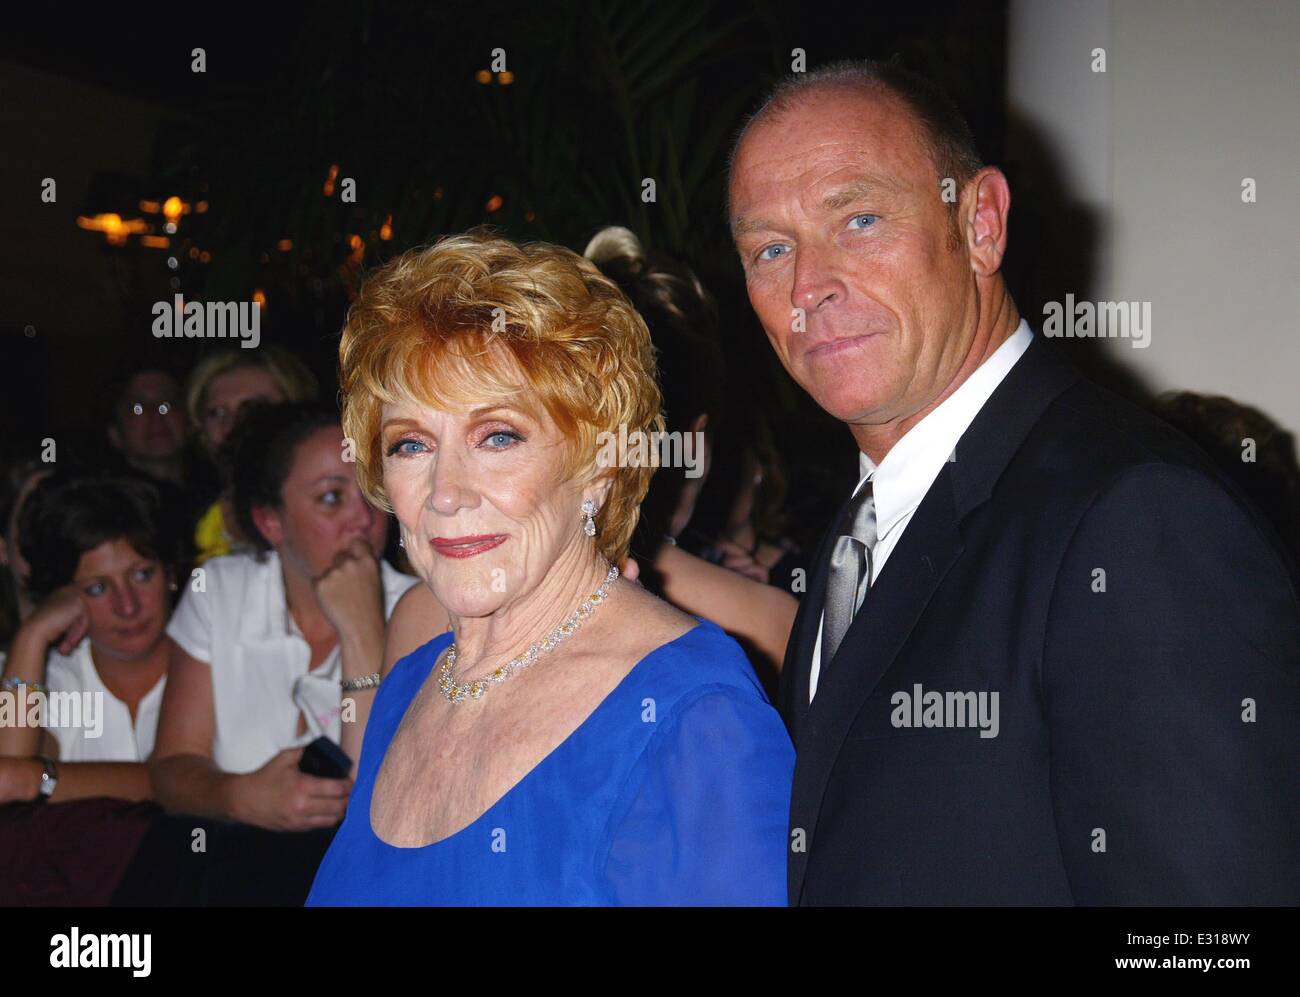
{"x":225,"y":587}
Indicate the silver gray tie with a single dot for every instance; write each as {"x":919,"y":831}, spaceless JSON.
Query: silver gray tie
{"x":850,"y":571}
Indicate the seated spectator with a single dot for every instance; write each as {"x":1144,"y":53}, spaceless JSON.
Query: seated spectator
{"x":219,"y":387}
{"x":147,"y":425}
{"x":266,"y":639}
{"x":102,"y":567}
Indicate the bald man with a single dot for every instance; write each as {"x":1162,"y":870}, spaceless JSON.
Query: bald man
{"x":1048,"y":654}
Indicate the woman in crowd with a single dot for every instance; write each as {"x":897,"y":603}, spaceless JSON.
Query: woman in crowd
{"x":277,"y":646}
{"x":219,"y":387}
{"x":682,"y":319}
{"x":102,"y":571}
{"x":574,"y":739}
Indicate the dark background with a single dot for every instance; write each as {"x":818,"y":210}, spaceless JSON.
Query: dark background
{"x":603,"y":94}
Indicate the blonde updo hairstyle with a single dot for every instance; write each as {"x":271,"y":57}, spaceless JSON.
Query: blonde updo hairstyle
{"x":462,"y":323}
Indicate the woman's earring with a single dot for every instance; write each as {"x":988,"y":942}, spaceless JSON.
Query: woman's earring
{"x":401,"y":542}
{"x":589,"y":520}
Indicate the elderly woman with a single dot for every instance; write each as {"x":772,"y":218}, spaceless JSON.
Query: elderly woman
{"x":573,"y":740}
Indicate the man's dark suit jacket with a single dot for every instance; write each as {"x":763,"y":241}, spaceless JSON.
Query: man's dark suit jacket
{"x":1141,"y":626}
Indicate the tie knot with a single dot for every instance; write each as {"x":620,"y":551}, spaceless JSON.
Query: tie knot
{"x":860,"y":517}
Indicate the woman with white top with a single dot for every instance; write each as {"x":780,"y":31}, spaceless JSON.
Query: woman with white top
{"x":90,"y":663}
{"x":276,"y":647}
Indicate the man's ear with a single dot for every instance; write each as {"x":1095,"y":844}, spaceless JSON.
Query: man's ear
{"x":268,"y":523}
{"x":985,"y":206}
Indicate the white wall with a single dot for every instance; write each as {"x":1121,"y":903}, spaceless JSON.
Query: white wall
{"x":1197,"y":95}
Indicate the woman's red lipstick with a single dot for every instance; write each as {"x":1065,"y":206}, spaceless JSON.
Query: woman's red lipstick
{"x":467,"y":546}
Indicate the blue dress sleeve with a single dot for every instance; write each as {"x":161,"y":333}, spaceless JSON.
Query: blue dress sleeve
{"x":704,"y":816}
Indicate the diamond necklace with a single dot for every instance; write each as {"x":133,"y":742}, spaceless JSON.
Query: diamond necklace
{"x":474,"y":690}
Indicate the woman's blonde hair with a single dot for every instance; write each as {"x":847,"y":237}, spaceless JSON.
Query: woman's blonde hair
{"x":295,"y":381}
{"x":460,"y":322}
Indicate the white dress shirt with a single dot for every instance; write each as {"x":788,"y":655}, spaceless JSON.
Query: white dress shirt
{"x":240,"y":625}
{"x":909,"y":469}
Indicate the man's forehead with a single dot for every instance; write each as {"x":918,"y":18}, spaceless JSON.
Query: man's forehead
{"x":835,"y":141}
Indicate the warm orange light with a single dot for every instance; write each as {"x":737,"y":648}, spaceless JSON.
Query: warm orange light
{"x":354,"y":241}
{"x":506,"y":78}
{"x":259,"y":298}
{"x":329,"y":180}
{"x":386,"y":229}
{"x":205,"y":257}
{"x":194,"y":252}
{"x":494,"y":203}
{"x":150,"y":207}
{"x":529,"y":216}
{"x":284,"y":245}
{"x":437,"y":194}
{"x":155,"y":241}
{"x":483,"y":76}
{"x":173,"y":208}
{"x":201,"y":207}
{"x":113,"y":226}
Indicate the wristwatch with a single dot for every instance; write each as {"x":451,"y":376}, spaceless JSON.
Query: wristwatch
{"x":49,"y":779}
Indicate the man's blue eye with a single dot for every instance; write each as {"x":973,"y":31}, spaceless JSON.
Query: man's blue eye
{"x":332,"y":497}
{"x":871,"y":220}
{"x":97,"y":588}
{"x":763,"y":255}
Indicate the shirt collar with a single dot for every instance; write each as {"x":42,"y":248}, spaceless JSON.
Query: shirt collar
{"x":901,"y":480}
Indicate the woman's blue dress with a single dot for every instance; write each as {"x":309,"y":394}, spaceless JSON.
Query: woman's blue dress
{"x":675,"y":790}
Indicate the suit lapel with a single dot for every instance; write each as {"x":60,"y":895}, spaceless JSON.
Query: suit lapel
{"x":796,"y":671}
{"x":928,"y":548}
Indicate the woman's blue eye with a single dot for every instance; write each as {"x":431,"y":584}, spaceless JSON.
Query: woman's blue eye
{"x":401,"y":445}
{"x":501,"y":435}
{"x":763,"y":254}
{"x":872,"y":219}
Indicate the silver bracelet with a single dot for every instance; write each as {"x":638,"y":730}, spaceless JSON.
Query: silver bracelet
{"x":365,"y":682}
{"x":13,"y":682}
